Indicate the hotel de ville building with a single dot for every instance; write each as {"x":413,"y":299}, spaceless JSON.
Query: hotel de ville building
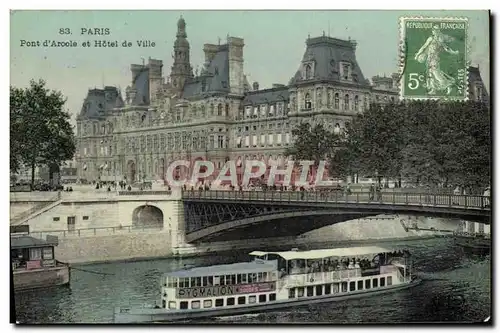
{"x":217,"y":114}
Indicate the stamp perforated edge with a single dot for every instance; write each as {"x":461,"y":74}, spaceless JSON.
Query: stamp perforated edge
{"x":402,"y":56}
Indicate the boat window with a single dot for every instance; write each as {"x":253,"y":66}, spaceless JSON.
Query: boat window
{"x":195,"y":304}
{"x":360,"y":285}
{"x":193,"y":282}
{"x":344,"y":287}
{"x":367,"y":284}
{"x":328,"y":289}
{"x":233,"y":279}
{"x":252,"y":277}
{"x":264,"y":276}
{"x":389,"y":280}
{"x":210,"y":280}
{"x":352,"y":286}
{"x":375,"y":283}
{"x":238,"y":278}
{"x":319,"y":290}
{"x":164,"y":303}
{"x":205,"y":281}
{"x":171,"y":305}
{"x":219,"y":302}
{"x":228,"y":279}
{"x":300,"y":291}
{"x":165,"y":281}
{"x":335,"y":288}
{"x":262,"y":298}
{"x":252,"y":299}
{"x":198,"y":281}
{"x":207,"y":303}
{"x":310,"y":291}
{"x":291,"y":293}
{"x":184,"y":305}
{"x":241,"y":300}
{"x":181,"y":283}
{"x":272,"y":297}
{"x":259,"y":277}
{"x":230,"y":301}
{"x":243,"y":278}
{"x":382,"y":281}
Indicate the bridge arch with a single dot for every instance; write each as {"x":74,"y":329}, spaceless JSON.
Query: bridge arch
{"x":147,"y":216}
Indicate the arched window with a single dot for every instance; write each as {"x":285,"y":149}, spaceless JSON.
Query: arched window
{"x":336,"y":129}
{"x":346,"y":102}
{"x":307,"y":104}
{"x":329,"y":99}
{"x":227,"y":109}
{"x":308,"y":72}
{"x":219,"y":109}
{"x":337,"y":100}
{"x":356,"y":103}
{"x":211,"y":109}
{"x":203,"y":113}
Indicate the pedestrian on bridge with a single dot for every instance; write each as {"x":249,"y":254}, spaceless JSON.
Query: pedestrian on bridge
{"x":486,"y":195}
{"x":372,"y":191}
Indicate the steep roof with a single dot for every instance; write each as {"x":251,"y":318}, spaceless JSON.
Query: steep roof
{"x":266,"y":96}
{"x":474,"y":79}
{"x":98,"y":101}
{"x":215,"y":78}
{"x":141,"y":84}
{"x":327,"y":53}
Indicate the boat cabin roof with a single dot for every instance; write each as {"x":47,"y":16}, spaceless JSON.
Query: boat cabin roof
{"x":325,"y":253}
{"x":237,"y":268}
{"x":25,"y":242}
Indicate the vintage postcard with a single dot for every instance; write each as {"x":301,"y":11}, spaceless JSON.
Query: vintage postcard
{"x":258,"y":167}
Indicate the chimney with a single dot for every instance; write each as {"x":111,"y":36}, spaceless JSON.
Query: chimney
{"x":255,"y":86}
{"x":136,"y":70}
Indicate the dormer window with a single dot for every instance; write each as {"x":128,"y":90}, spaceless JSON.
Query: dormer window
{"x":346,"y":71}
{"x":308,"y":71}
{"x":308,"y":103}
{"x":479,"y":93}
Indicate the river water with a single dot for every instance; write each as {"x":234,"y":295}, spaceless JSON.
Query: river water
{"x":456,"y":288}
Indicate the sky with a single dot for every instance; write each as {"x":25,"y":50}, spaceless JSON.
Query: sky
{"x":274,"y":43}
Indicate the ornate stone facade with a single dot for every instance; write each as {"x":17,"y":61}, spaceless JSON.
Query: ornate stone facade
{"x":215,"y":114}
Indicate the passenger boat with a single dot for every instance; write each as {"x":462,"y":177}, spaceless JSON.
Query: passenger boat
{"x":473,"y":236}
{"x":275,"y":280}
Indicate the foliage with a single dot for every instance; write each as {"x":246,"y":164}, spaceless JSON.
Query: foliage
{"x":425,"y":142}
{"x":40,"y":130}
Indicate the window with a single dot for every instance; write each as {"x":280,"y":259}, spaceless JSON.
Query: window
{"x":346,"y":102}
{"x":344,"y":287}
{"x":219,"y":110}
{"x":345,"y":72}
{"x":35,"y":254}
{"x":367,"y":284}
{"x":336,"y":100}
{"x":392,"y":99}
{"x":328,"y":289}
{"x":360,"y":285}
{"x":352,"y":286}
{"x":48,"y":254}
{"x":241,"y":300}
{"x":300,"y":292}
{"x":382,"y":281}
{"x":291,"y":293}
{"x":171,"y":305}
{"x":389,"y":280}
{"x":356,"y":103}
{"x":85,"y":218}
{"x":55,"y":219}
{"x":184,"y":305}
{"x":230,"y":301}
{"x":252,"y":299}
{"x":310,"y":291}
{"x":262,"y":298}
{"x":375,"y":283}
{"x":219,"y":302}
{"x":308,"y":72}
{"x":71,"y":223}
{"x":207,"y":303}
{"x":227,"y":109}
{"x":335,"y":288}
{"x":272,"y":297}
{"x":195,"y":304}
{"x":307,"y":104}
{"x":319,"y":290}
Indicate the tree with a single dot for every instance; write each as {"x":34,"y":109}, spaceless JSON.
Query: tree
{"x":40,"y":130}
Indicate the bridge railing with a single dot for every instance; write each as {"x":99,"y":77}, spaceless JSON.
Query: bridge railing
{"x":90,"y":232}
{"x":450,"y":200}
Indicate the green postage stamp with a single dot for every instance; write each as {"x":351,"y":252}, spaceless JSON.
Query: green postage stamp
{"x":434,"y":58}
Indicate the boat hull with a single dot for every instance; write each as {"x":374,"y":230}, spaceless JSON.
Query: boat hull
{"x":474,"y":243}
{"x":161,"y":315}
{"x":41,"y":278}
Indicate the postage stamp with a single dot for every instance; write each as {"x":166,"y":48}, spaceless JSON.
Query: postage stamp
{"x":434,"y":58}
